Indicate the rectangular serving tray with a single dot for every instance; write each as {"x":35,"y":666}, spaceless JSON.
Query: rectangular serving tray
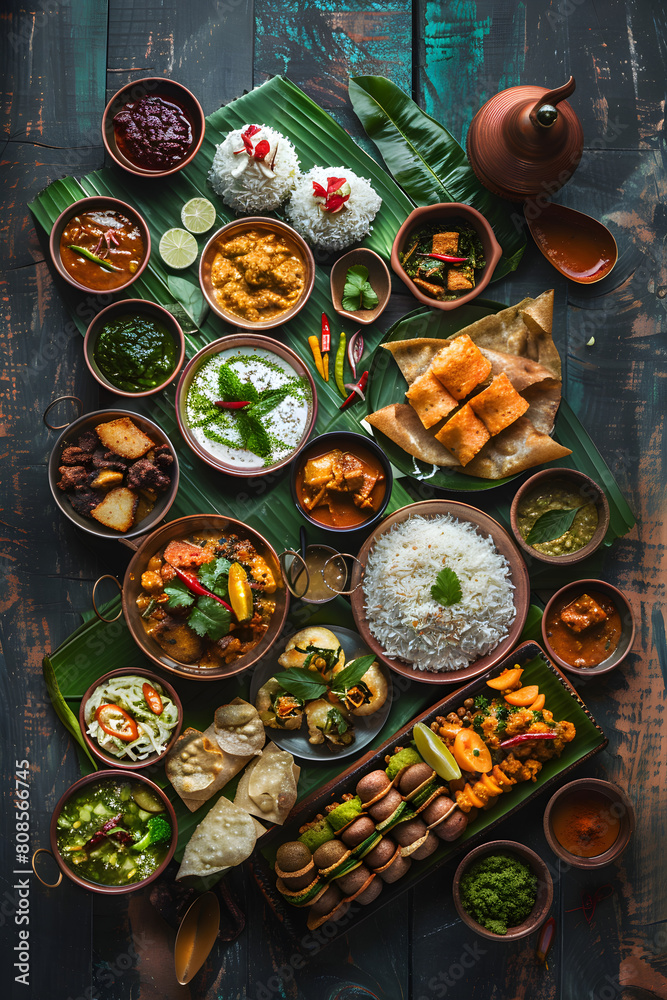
{"x":561,"y":699}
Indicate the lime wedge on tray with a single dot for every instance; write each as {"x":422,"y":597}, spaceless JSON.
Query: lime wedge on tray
{"x":198,"y":215}
{"x":435,"y":753}
{"x":178,"y":249}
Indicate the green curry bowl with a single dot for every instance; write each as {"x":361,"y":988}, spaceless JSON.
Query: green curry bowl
{"x":113,"y":832}
{"x":514,"y":886}
{"x":134,"y":348}
{"x":559,"y":516}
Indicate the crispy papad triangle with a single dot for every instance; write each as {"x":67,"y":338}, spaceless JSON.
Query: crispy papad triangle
{"x":517,"y":341}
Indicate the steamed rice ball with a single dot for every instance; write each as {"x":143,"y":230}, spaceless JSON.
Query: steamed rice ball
{"x":332,"y":207}
{"x":254,"y":169}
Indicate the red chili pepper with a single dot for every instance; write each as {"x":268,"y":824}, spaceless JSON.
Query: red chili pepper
{"x":98,"y":837}
{"x":357,"y":392}
{"x":318,"y":190}
{"x":127,"y":730}
{"x":193,"y":585}
{"x":225,"y":404}
{"x":525,"y":737}
{"x":546,"y":939}
{"x":261,"y":149}
{"x":325,"y":339}
{"x":445,"y":257}
{"x":153,"y":699}
{"x":252,"y":130}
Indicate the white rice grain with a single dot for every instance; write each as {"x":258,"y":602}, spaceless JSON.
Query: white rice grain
{"x":332,"y":231}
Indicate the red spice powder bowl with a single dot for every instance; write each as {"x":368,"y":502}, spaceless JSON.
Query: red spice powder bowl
{"x":153,"y":86}
{"x":619,"y":811}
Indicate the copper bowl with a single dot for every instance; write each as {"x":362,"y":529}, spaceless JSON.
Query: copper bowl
{"x":234,"y":229}
{"x":89,"y":779}
{"x":153,"y":86}
{"x":504,"y":545}
{"x":193,"y":367}
{"x":448,"y":212}
{"x":120,"y":308}
{"x":87,"y":205}
{"x":627,"y":626}
{"x":589,"y":490}
{"x":150,"y":546}
{"x":620,"y":808}
{"x":107,"y":758}
{"x":378,"y":276}
{"x":88,"y":422}
{"x":545,"y":889}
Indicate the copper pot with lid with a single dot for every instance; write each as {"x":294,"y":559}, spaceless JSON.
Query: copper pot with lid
{"x":526,"y":141}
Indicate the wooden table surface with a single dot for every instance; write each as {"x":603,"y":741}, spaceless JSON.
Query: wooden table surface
{"x":61,"y":60}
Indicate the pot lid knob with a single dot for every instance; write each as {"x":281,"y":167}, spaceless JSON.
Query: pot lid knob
{"x":547,"y":115}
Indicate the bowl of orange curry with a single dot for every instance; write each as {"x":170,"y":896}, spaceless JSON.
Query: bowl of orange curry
{"x":342,"y":482}
{"x":100,"y":245}
{"x":256,"y":273}
{"x":588,"y":822}
{"x":588,"y":627}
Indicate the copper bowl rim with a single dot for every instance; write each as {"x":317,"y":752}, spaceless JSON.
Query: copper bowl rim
{"x":116,"y":762}
{"x":541,"y":907}
{"x":82,"y":205}
{"x":111,"y":890}
{"x":363,"y":442}
{"x":90,"y":525}
{"x":519,"y":576}
{"x":289,"y":314}
{"x":198,"y":121}
{"x":189,"y":671}
{"x":224,"y":344}
{"x":622,"y":606}
{"x":477,"y":221}
{"x":615,"y":794}
{"x":138,"y":306}
{"x":601,"y":503}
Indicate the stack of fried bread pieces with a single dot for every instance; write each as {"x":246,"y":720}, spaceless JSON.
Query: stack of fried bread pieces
{"x":484,"y":401}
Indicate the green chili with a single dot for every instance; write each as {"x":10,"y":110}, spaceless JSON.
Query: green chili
{"x":339,"y":370}
{"x":91,"y":256}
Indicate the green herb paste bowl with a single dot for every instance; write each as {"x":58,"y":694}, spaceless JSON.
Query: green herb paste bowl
{"x":141,"y":310}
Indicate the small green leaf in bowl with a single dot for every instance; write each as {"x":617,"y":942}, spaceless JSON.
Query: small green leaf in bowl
{"x":552,"y":524}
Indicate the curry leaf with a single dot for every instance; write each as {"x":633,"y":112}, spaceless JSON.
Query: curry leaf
{"x":210,"y":619}
{"x":552,"y":524}
{"x":352,"y":674}
{"x":447,"y":588}
{"x":303,"y":684}
{"x":429,"y":163}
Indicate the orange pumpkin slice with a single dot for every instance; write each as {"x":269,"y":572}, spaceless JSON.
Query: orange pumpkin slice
{"x":538,"y":704}
{"x":524,"y":697}
{"x":506,"y":680}
{"x":471,"y":752}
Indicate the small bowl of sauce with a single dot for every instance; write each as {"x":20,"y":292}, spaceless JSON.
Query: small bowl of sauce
{"x":317,"y":576}
{"x":134,"y":347}
{"x":588,"y":627}
{"x":342,"y":482}
{"x":153,"y":127}
{"x":559,"y":516}
{"x":100,"y":245}
{"x":589,"y":822}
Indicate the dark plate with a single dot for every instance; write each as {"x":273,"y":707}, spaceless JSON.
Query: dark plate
{"x":561,"y":699}
{"x":366,"y":727}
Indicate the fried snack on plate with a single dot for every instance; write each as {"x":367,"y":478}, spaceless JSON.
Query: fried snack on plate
{"x":316,"y":648}
{"x":197,"y":767}
{"x":124,"y":438}
{"x":464,"y":435}
{"x":225,"y":837}
{"x":499,"y":405}
{"x":268,"y":785}
{"x":429,"y":398}
{"x":239,"y":729}
{"x":117,"y":510}
{"x":460,"y":366}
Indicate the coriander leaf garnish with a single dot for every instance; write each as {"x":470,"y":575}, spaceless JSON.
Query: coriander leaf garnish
{"x":335,"y":722}
{"x":303,"y":684}
{"x":357,"y":291}
{"x":209,"y":619}
{"x":447,"y":589}
{"x":213,"y":575}
{"x":352,"y":674}
{"x":552,"y":524}
{"x":178,"y":594}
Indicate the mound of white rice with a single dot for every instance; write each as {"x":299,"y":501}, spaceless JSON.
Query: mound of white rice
{"x":408,"y":622}
{"x":332,"y":231}
{"x":243,"y":182}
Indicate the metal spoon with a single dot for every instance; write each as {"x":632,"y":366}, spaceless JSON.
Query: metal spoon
{"x":576,"y":244}
{"x":196,"y":936}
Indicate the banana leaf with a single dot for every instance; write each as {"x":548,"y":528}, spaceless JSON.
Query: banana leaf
{"x":429,"y":163}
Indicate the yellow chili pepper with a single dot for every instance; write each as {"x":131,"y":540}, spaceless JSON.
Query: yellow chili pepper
{"x":317,"y":354}
{"x":325,"y":362}
{"x":339,"y":370}
{"x":240,"y":594}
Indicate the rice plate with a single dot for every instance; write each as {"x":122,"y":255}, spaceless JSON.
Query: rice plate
{"x":403,"y":616}
{"x":251,"y":185}
{"x":332,"y":230}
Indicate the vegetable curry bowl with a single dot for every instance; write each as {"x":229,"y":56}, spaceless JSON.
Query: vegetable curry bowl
{"x":100,"y":245}
{"x":113,"y":832}
{"x":204,"y":597}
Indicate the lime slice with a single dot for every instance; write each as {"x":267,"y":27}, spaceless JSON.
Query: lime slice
{"x":435,"y":753}
{"x":178,"y":249}
{"x":198,"y":215}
